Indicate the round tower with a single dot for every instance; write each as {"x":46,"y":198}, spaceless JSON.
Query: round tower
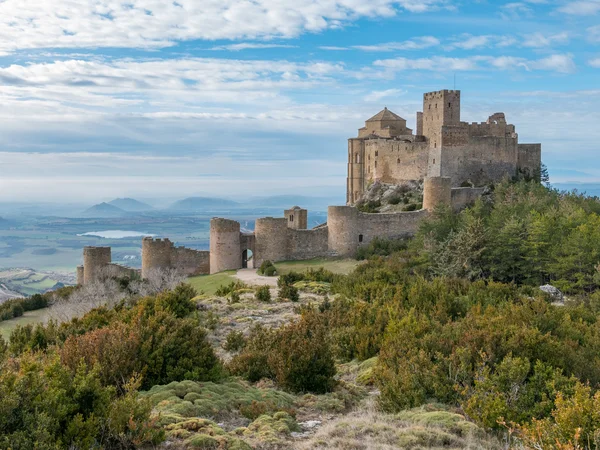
{"x":95,"y":261}
{"x":437,"y":191}
{"x":225,"y":251}
{"x":271,"y":236}
{"x":344,"y":233}
{"x":156,"y":255}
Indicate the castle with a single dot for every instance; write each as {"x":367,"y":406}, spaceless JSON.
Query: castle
{"x":468,"y":153}
{"x":445,"y":153}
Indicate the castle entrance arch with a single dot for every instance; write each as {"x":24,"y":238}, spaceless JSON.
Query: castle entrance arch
{"x":247,"y":259}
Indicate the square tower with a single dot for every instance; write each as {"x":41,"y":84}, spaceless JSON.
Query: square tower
{"x":440,"y":109}
{"x":297,"y":218}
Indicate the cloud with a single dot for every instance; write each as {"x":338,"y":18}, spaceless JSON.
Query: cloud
{"x":594,"y":33}
{"x":595,"y":62}
{"x":539,"y":40}
{"x":562,"y":63}
{"x":436,"y":63}
{"x":581,"y":8}
{"x":159,"y":23}
{"x":377,"y":96}
{"x":417,"y":43}
{"x":250,"y":45}
{"x":470,"y":42}
{"x":333,"y":48}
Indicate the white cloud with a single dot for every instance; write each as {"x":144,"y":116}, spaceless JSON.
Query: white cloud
{"x":538,"y":40}
{"x":470,"y":42}
{"x":333,"y":48}
{"x":595,"y":62}
{"x":250,"y":45}
{"x":417,"y":43}
{"x":557,"y":63}
{"x":436,"y":63}
{"x":594,"y":33}
{"x":377,"y":96}
{"x":159,"y":23}
{"x":581,"y":8}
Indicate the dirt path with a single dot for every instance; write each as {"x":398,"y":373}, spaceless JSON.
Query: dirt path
{"x":249,"y":276}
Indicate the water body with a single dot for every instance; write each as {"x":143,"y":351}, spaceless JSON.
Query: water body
{"x":116,"y":234}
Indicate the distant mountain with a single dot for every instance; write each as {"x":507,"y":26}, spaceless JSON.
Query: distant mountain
{"x":104,"y":210}
{"x":198,"y":204}
{"x":130,"y":204}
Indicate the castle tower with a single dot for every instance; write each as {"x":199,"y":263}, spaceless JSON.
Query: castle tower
{"x":297,"y":218}
{"x":440,"y":108}
{"x":271,"y":234}
{"x":437,"y":191}
{"x":95,"y":262}
{"x":342,"y":222}
{"x":156,"y":255}
{"x":225,"y":248}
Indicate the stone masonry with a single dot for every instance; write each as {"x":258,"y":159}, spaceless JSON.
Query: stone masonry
{"x":444,"y":153}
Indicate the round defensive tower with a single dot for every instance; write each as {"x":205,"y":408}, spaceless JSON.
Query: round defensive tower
{"x":156,"y":255}
{"x":343,"y":225}
{"x":225,"y":251}
{"x":95,"y":261}
{"x":437,"y":191}
{"x":271,"y":236}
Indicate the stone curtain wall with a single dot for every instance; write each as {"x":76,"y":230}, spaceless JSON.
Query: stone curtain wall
{"x":190,"y":261}
{"x":530,"y":158}
{"x":395,"y":161}
{"x":308,"y":244}
{"x":463,"y":197}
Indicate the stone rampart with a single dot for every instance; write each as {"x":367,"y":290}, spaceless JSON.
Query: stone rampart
{"x":271,"y":240}
{"x":308,"y":244}
{"x":190,"y":262}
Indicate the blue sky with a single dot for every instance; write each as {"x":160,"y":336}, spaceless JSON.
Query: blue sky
{"x":152,"y":98}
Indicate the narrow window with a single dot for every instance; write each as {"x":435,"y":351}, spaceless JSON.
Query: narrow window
{"x":291,"y":218}
{"x":449,"y":105}
{"x":376,"y":153}
{"x":434,"y":160}
{"x":376,"y":164}
{"x":435,"y":145}
{"x":360,"y":238}
{"x":436,"y":106}
{"x":356,"y":158}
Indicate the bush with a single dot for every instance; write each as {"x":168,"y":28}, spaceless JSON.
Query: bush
{"x":267,"y":268}
{"x":298,"y":356}
{"x":234,"y":297}
{"x":411,"y":207}
{"x":46,"y":405}
{"x":18,"y":306}
{"x":290,"y":293}
{"x":369,"y":207}
{"x":235,"y":341}
{"x":289,"y":278}
{"x":263,"y":294}
{"x":395,"y":199}
{"x":225,"y":290}
{"x":381,"y":247}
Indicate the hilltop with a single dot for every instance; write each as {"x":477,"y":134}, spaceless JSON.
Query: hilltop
{"x":130,"y":204}
{"x":104,"y":210}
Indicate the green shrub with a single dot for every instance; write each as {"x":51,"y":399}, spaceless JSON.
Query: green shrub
{"x":395,"y":199}
{"x":411,"y":207}
{"x":381,"y":247}
{"x":235,"y":341}
{"x":267,"y":268}
{"x":225,"y":290}
{"x":263,"y":294}
{"x":290,"y":293}
{"x":289,"y":278}
{"x":369,"y":207}
{"x":234,"y":297}
{"x":298,"y":356}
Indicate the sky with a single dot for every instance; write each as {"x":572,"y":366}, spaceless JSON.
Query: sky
{"x":230,"y":98}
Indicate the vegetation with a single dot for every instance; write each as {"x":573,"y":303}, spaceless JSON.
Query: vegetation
{"x":263,"y":294}
{"x":267,"y":268}
{"x":13,"y":308}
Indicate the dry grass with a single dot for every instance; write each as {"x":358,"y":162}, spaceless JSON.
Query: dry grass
{"x":422,"y":428}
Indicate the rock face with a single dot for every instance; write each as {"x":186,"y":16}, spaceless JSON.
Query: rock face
{"x":392,"y":197}
{"x":553,"y":292}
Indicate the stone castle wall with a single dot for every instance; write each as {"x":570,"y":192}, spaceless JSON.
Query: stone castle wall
{"x":395,"y":161}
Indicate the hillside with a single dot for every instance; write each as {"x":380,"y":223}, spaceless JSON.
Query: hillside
{"x":104,"y":210}
{"x":442,"y":341}
{"x":130,"y":204}
{"x":201,"y":204}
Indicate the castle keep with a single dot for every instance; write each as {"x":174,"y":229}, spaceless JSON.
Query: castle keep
{"x":443,"y":146}
{"x":444,"y":153}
